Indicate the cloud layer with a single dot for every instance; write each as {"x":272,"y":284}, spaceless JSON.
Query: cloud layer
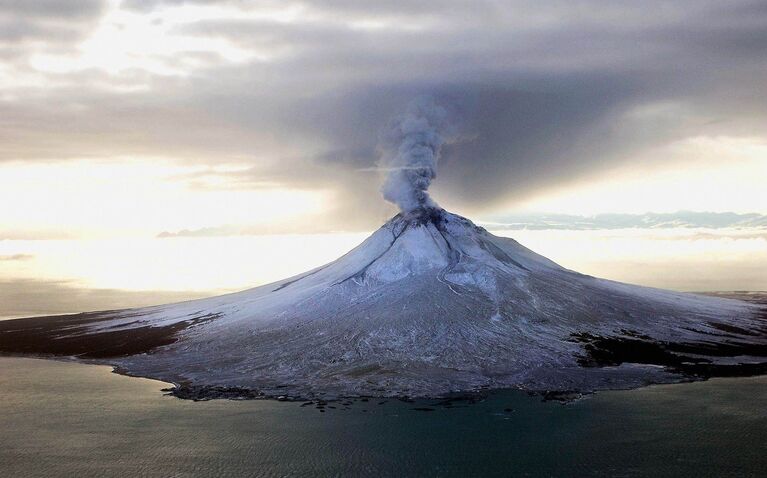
{"x":547,"y":92}
{"x":681,"y":219}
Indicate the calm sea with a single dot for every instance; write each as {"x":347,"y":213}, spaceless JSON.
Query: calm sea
{"x":74,"y":420}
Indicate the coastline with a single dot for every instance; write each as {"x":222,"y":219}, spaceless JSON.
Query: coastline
{"x":65,"y":338}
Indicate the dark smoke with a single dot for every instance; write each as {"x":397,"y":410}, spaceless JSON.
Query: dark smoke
{"x":410,"y":152}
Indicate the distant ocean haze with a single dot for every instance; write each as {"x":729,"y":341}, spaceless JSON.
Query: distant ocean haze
{"x":60,"y":276}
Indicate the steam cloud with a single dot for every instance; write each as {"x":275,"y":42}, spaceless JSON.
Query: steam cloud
{"x":410,"y":151}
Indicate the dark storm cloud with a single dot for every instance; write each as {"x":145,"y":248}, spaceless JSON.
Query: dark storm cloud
{"x":545,"y":92}
{"x":540,"y":106}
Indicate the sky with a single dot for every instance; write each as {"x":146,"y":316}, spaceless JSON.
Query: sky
{"x":143,"y":117}
{"x":166,"y":118}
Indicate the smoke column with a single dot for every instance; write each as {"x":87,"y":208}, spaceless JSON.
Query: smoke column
{"x":410,"y":152}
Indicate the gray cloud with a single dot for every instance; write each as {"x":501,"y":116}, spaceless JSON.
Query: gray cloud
{"x":27,"y":27}
{"x":547,"y":92}
{"x":47,"y":20}
{"x":748,"y":226}
{"x":51,"y":8}
{"x":681,"y":219}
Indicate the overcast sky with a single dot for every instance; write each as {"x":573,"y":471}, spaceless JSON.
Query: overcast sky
{"x":168,"y":115}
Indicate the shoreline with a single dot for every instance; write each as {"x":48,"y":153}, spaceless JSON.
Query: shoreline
{"x":89,"y":338}
{"x":204,"y":393}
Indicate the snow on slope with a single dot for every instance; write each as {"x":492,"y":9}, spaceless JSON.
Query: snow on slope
{"x":430,"y":304}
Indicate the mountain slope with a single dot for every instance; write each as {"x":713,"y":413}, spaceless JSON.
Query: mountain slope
{"x":428,"y":304}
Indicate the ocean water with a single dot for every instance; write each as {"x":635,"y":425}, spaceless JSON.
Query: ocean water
{"x":75,"y":420}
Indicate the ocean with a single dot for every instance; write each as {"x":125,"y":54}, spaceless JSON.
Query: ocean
{"x":72,"y":419}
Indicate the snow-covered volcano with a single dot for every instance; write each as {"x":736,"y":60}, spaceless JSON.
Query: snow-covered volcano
{"x":428,"y":304}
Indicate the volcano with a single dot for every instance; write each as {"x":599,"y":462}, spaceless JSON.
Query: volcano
{"x":429,"y":304}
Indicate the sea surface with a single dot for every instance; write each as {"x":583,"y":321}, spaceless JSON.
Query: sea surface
{"x":75,"y":420}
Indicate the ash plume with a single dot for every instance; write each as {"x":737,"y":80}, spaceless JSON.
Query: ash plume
{"x":410,"y":150}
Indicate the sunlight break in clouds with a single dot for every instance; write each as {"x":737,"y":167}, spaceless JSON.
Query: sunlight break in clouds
{"x":125,"y":41}
{"x":703,"y":173}
{"x":143,"y":197}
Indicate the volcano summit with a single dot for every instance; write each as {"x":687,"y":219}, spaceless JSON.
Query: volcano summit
{"x":429,"y":304}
